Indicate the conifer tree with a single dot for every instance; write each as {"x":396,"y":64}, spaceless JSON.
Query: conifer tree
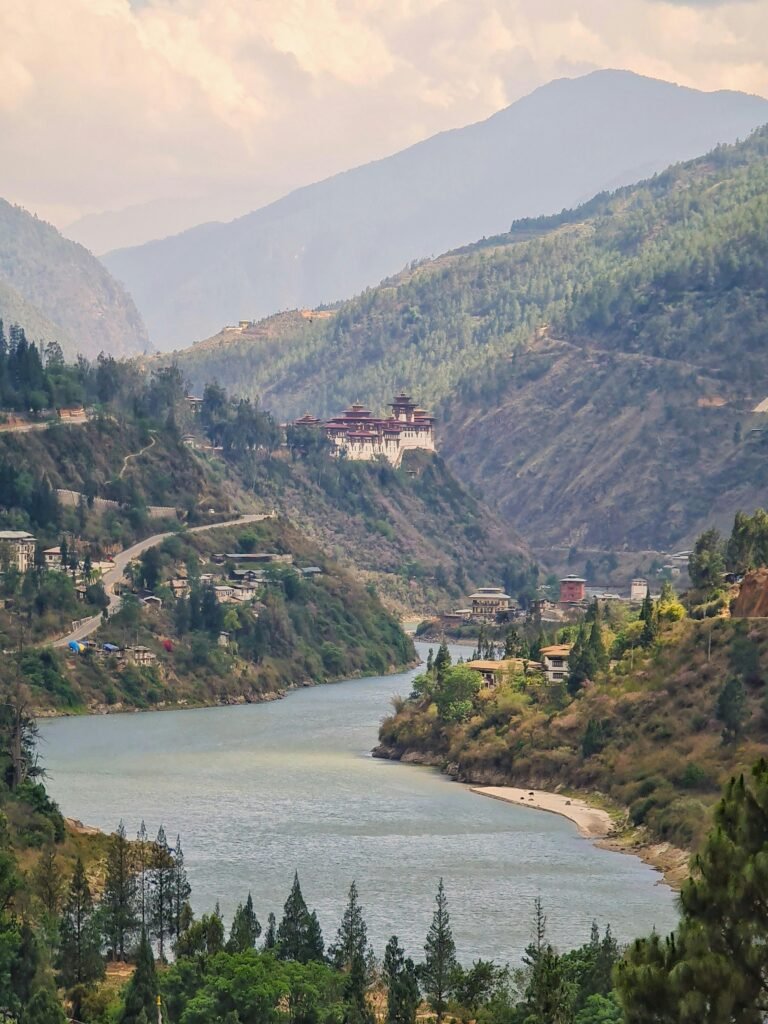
{"x":118,"y":903}
{"x":731,"y":709}
{"x":161,"y":886}
{"x":80,"y":962}
{"x":352,"y":936}
{"x":714,"y":968}
{"x":143,"y":857}
{"x":180,"y":910}
{"x":270,"y":935}
{"x":48,"y":881}
{"x":442,"y":661}
{"x":402,"y":985}
{"x":245,"y":928}
{"x":140,"y":1003}
{"x":549,"y":997}
{"x":436,"y":973}
{"x":597,"y":647}
{"x":297,"y":935}
{"x":44,"y":1008}
{"x":315,"y":942}
{"x":358,"y":1010}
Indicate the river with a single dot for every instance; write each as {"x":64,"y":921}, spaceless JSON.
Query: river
{"x":259,"y":790}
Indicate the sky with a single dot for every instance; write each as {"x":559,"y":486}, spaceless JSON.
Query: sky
{"x":178,"y":111}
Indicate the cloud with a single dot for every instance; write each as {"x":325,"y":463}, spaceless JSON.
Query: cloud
{"x":112,"y":103}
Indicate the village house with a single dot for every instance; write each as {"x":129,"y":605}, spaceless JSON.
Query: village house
{"x":17,"y":548}
{"x":52,"y":558}
{"x":259,"y":558}
{"x":224,"y":592}
{"x":488,"y":602}
{"x":179,"y":587}
{"x":494,"y":672}
{"x":572,"y":590}
{"x":555,"y":661}
{"x":139,"y":655}
{"x":638,"y":588}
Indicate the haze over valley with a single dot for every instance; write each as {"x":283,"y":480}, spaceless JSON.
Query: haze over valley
{"x":393,"y":425}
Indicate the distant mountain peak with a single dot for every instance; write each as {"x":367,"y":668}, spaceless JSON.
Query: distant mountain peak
{"x":552,"y":149}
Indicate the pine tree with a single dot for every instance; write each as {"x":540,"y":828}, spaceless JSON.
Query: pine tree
{"x":180,"y":909}
{"x":549,"y":997}
{"x":358,"y":1010}
{"x":80,"y":962}
{"x":597,"y":647}
{"x":442,"y":661}
{"x":352,"y":936}
{"x":48,"y":881}
{"x":295,"y":939}
{"x":142,"y":851}
{"x":245,"y":928}
{"x":714,"y":968}
{"x":732,"y":709}
{"x":161,"y":886}
{"x":315,"y":945}
{"x":44,"y":1008}
{"x":118,"y":903}
{"x":436,"y":973}
{"x":270,"y":935}
{"x":140,"y":1003}
{"x":402,"y":985}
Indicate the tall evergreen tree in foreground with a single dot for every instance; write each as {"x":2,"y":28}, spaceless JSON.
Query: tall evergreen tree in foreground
{"x":714,"y":968}
{"x":436,"y":973}
{"x":118,"y":903}
{"x":352,"y":936}
{"x":298,"y":937}
{"x":181,"y":912}
{"x":140,"y":1003}
{"x":161,"y":891}
{"x":270,"y":935}
{"x":402,"y":986}
{"x":80,"y":963}
{"x":245,"y":928}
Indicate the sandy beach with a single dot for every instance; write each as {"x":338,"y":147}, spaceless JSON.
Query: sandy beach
{"x":591,"y":822}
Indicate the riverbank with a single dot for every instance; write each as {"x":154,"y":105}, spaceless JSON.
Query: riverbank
{"x":606,"y":829}
{"x":190,"y":704}
{"x":592,"y":822}
{"x":598,"y":825}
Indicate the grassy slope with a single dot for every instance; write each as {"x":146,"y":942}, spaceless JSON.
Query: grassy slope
{"x":663,"y":756}
{"x":656,"y":299}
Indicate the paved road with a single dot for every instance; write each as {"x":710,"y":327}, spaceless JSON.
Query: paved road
{"x":113,"y":576}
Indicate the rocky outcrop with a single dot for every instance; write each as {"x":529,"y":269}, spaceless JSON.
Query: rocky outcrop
{"x":751,"y":602}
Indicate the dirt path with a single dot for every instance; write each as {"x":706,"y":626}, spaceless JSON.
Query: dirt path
{"x":135,"y":455}
{"x":110,"y":578}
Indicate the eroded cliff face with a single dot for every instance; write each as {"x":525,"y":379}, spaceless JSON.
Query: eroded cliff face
{"x":751,"y":601}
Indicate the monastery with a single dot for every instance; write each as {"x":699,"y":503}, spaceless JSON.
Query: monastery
{"x":362,"y":436}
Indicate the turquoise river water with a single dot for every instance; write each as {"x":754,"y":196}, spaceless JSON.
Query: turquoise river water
{"x":259,"y":790}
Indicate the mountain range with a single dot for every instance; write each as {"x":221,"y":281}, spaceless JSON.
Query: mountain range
{"x":552,"y":149}
{"x":597,"y":373}
{"x":60,"y":292}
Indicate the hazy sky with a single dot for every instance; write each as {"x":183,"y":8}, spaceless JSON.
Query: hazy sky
{"x":105,"y":104}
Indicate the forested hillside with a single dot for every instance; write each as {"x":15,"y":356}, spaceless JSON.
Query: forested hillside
{"x":328,"y":241}
{"x":415,"y":532}
{"x":627,"y":333}
{"x":60,"y":292}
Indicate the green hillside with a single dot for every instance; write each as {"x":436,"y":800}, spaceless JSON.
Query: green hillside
{"x":654,"y":733}
{"x":61,"y":292}
{"x":654,"y":302}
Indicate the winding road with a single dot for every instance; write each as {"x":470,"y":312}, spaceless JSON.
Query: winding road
{"x":113,"y":576}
